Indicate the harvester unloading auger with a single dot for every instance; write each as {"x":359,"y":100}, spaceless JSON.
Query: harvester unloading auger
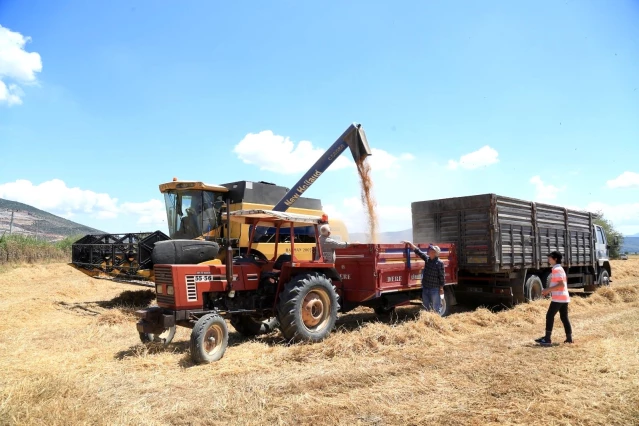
{"x":197,"y":225}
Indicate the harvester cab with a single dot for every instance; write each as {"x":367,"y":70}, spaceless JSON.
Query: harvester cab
{"x":194,"y":209}
{"x":255,"y":295}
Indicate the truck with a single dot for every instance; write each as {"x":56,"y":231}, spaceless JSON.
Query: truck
{"x":502,"y":246}
{"x":301,"y":297}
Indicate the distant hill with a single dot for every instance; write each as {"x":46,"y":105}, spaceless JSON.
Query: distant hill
{"x":28,"y":220}
{"x":630,"y":245}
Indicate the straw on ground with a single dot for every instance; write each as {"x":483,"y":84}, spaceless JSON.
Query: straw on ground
{"x":69,"y":354}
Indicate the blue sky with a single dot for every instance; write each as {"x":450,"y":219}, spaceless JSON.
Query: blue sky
{"x":532,"y":99}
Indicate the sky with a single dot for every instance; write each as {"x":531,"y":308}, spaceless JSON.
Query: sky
{"x":100,"y":102}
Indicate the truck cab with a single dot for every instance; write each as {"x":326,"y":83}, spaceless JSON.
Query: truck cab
{"x":602,"y":255}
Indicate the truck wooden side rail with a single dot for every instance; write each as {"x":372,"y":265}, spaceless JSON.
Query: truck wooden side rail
{"x":502,"y":245}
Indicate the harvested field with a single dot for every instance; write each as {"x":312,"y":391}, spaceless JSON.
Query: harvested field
{"x":69,"y":354}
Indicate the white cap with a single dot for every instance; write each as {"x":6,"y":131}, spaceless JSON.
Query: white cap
{"x":436,"y":249}
{"x":325,"y":229}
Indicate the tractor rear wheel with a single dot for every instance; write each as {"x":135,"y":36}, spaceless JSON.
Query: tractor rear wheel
{"x":209,"y":339}
{"x":308,"y":308}
{"x":163,"y":339}
{"x":249,"y":327}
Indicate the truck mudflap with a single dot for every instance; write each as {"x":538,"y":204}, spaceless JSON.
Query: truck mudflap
{"x":154,"y":320}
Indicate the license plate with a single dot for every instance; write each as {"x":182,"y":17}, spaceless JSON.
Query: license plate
{"x":475,"y":289}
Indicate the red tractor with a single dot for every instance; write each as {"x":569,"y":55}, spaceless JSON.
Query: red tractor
{"x":302,"y":298}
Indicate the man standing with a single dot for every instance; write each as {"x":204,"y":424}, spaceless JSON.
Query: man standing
{"x":328,"y":244}
{"x":433,"y":277}
{"x":560,"y":300}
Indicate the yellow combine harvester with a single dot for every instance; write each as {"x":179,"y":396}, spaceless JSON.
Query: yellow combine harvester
{"x":198,"y":224}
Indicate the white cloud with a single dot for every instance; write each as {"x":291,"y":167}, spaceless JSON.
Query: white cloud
{"x":386,"y":163}
{"x":544,"y":192}
{"x":56,"y":197}
{"x":351,"y":211}
{"x":279,"y":154}
{"x":625,"y":217}
{"x":150,"y":212}
{"x":16,"y":64}
{"x":485,"y":156}
{"x":625,"y":180}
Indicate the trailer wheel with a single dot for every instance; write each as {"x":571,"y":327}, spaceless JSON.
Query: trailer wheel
{"x":308,"y":308}
{"x":533,"y":288}
{"x":209,"y":339}
{"x":447,"y":303}
{"x":604,"y":278}
{"x":249,"y":327}
{"x":163,"y":339}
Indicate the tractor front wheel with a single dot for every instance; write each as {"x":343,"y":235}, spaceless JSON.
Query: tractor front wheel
{"x":308,"y":308}
{"x":209,"y":339}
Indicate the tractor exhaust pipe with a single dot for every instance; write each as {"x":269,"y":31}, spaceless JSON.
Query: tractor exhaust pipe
{"x":353,"y":138}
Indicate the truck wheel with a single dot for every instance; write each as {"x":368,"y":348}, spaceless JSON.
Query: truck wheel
{"x":533,"y":288}
{"x":163,"y":339}
{"x":209,"y":339}
{"x":604,"y":278}
{"x":248,"y":326}
{"x":308,"y":308}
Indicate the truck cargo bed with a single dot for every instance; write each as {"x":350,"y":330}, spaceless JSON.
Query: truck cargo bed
{"x":493,"y":233}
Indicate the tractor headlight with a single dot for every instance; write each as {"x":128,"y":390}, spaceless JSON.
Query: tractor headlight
{"x":169,"y":290}
{"x":158,"y":289}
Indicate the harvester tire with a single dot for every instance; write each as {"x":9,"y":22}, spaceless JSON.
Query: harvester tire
{"x":249,"y":327}
{"x":209,"y":339}
{"x":163,"y":339}
{"x":308,"y":308}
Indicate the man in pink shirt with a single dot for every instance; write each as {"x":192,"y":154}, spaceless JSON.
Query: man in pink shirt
{"x":560,"y":299}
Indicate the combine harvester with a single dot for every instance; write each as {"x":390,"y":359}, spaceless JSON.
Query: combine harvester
{"x":195,"y":212}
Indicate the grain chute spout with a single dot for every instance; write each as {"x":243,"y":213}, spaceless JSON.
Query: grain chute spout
{"x":353,"y":138}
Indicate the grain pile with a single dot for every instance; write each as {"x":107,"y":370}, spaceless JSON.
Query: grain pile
{"x":69,"y":354}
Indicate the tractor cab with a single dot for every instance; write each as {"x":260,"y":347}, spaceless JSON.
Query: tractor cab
{"x":283,"y":226}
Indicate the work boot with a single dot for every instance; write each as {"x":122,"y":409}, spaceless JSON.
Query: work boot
{"x":568,"y":339}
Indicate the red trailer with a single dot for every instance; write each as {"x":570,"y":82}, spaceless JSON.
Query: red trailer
{"x":382,"y":276}
{"x":302,"y":298}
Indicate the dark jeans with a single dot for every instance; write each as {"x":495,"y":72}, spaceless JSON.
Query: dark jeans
{"x":562,"y":308}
